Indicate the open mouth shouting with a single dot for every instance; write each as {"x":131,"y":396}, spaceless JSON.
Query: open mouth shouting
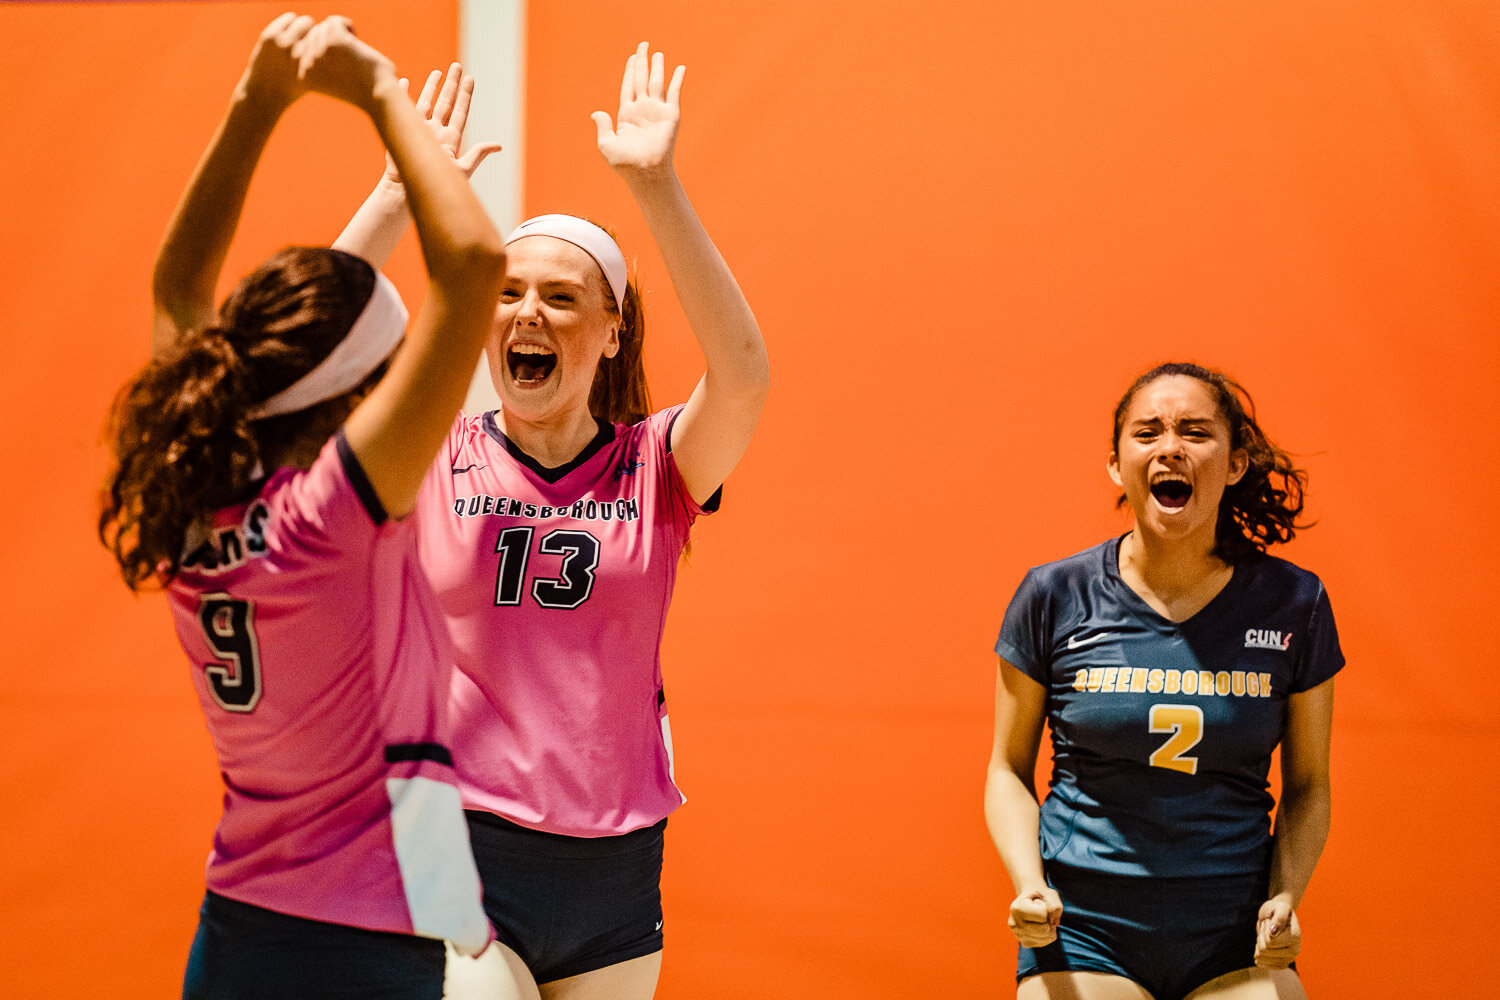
{"x":1171,"y":490}
{"x":529,"y":364}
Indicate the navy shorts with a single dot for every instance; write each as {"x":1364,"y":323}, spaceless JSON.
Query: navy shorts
{"x":244,"y":952}
{"x":570,"y":905}
{"x":1171,"y":935}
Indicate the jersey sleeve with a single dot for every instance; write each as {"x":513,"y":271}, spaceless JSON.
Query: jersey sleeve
{"x":1320,"y":656}
{"x":332,"y":504}
{"x":452,"y":453}
{"x":659,"y":440}
{"x":1026,"y":629}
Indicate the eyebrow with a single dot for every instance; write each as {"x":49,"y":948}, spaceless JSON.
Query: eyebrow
{"x":568,"y":283}
{"x":1193,"y":421}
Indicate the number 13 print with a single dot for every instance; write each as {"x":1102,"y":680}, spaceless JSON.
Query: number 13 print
{"x":580,"y":552}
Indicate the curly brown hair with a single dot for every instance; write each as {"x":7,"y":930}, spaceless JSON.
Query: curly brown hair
{"x":1261,"y":509}
{"x":184,"y":445}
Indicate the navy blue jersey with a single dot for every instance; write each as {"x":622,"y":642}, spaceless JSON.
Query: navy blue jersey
{"x":1162,"y":731}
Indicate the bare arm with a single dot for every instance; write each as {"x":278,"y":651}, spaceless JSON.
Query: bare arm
{"x":1011,"y":810}
{"x":202,"y":226}
{"x":1302,"y":821}
{"x":715,"y":428}
{"x":377,"y":227}
{"x":398,"y":428}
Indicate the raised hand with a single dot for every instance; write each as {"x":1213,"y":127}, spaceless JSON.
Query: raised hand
{"x":193,"y":251}
{"x":643,"y":133}
{"x":444,"y":104}
{"x":271,"y":75}
{"x":1278,"y":936}
{"x":332,"y":60}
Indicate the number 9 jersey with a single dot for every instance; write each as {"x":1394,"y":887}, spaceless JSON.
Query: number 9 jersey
{"x":320,"y":661}
{"x":1162,"y":731}
{"x":555,"y":584}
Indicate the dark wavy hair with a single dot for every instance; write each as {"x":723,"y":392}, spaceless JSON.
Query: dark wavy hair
{"x":184,"y":446}
{"x":1264,"y":506}
{"x":619,"y":393}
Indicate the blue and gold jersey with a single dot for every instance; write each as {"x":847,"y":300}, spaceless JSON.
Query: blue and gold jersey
{"x":1162,"y":731}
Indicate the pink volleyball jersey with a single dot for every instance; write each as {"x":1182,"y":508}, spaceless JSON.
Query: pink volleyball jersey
{"x":322,"y":666}
{"x":555,"y":584}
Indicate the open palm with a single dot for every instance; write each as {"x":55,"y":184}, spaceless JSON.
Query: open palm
{"x":444,"y":105}
{"x":643,"y":133}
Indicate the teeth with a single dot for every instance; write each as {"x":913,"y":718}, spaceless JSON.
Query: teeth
{"x":529,"y":349}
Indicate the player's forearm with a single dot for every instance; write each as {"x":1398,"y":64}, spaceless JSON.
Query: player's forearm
{"x":715,"y":307}
{"x":458,"y":240}
{"x":203,"y":225}
{"x":1012,"y":815}
{"x":398,"y":428}
{"x":1302,"y":822}
{"x":377,"y":227}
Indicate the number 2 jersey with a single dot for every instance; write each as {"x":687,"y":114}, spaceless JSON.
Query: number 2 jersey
{"x":555,"y":584}
{"x":1162,"y":731}
{"x":322,"y":667}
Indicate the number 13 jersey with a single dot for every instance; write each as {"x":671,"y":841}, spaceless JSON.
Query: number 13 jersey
{"x":1162,"y":731}
{"x":555,"y":585}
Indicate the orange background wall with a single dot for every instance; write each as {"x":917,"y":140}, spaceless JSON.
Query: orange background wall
{"x":963,"y":231}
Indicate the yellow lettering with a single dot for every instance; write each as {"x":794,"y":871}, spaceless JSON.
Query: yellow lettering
{"x":1081,"y":679}
{"x":1138,"y":680}
{"x":1185,"y":723}
{"x":1265,"y":685}
{"x":1174,"y":682}
{"x":1154,"y":681}
{"x":1221,"y":683}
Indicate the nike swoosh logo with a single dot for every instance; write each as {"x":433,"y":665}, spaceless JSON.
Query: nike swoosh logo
{"x":468,"y":468}
{"x":1076,"y":643}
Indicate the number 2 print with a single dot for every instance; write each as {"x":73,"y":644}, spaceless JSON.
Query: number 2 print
{"x":1185,"y":723}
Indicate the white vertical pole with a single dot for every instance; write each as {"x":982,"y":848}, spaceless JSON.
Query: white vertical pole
{"x":492,"y":47}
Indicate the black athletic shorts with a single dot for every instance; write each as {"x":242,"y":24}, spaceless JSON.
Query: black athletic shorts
{"x":570,"y":905}
{"x":1171,"y":935}
{"x":245,"y":952}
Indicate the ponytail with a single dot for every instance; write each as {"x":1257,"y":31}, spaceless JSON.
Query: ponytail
{"x":183,"y":442}
{"x":184,"y":448}
{"x":620,"y":394}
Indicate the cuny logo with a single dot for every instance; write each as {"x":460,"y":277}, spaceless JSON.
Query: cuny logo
{"x":1264,"y":638}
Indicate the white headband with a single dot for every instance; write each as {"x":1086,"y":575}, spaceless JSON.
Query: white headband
{"x":585,"y":236}
{"x":372,"y":338}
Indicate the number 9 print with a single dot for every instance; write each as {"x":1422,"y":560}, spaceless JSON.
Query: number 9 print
{"x":229,"y":629}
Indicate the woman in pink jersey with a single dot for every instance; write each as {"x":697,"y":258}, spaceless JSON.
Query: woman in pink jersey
{"x":264,"y":469}
{"x":551,"y":528}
